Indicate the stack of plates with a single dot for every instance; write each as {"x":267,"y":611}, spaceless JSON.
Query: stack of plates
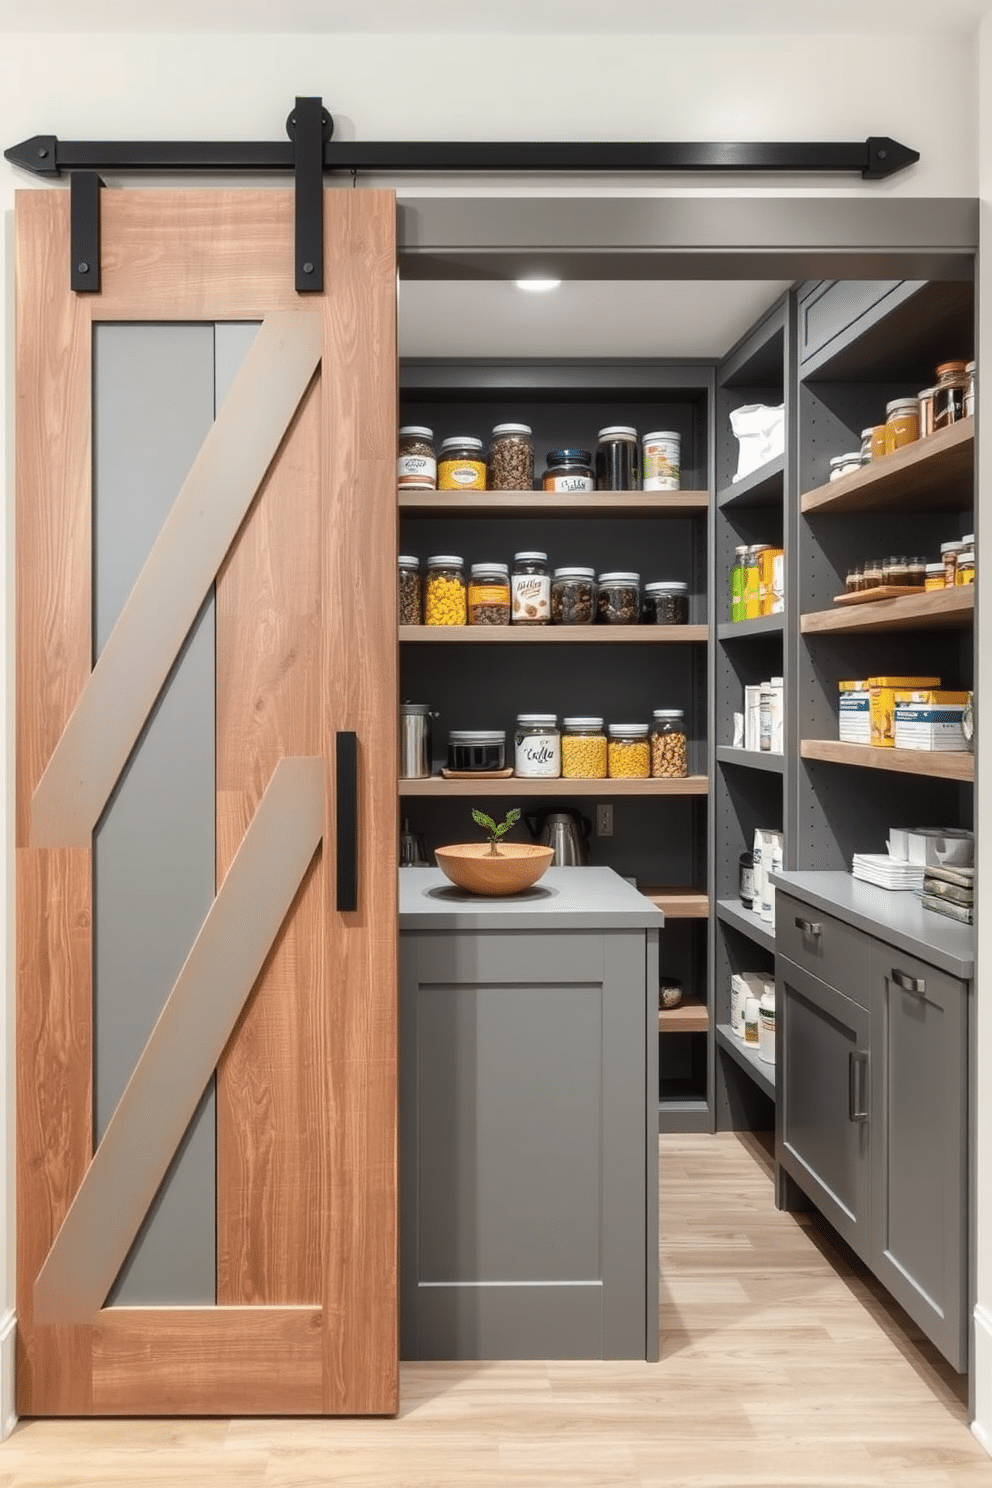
{"x":886,"y":872}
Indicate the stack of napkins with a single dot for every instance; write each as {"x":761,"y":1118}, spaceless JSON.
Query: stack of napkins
{"x":950,"y":891}
{"x":886,"y":872}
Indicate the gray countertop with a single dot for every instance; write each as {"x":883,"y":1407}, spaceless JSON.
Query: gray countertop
{"x":898,"y":918}
{"x":565,"y":898}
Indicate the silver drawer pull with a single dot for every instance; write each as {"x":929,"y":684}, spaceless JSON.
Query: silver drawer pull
{"x":857,"y":1086}
{"x":808,"y":927}
{"x":907,"y":983}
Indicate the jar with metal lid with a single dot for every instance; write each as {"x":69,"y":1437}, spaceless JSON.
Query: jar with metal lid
{"x":902,"y":423}
{"x":416,"y":463}
{"x":949,"y":557}
{"x":510,"y":466}
{"x":530,"y":585}
{"x":573,"y":596}
{"x":461,"y":466}
{"x":666,"y":602}
{"x":409,"y":590}
{"x":444,"y":591}
{"x":569,"y":470}
{"x":872,"y":573}
{"x":628,"y":752}
{"x":948,"y":397}
{"x":669,"y":747}
{"x":852,"y":582}
{"x":617,"y":467}
{"x":934,"y":577}
{"x":661,"y":460}
{"x":969,"y":392}
{"x":537,"y":746}
{"x":489,"y":594}
{"x":618,"y":601}
{"x":964,"y":572}
{"x":480,"y":751}
{"x":917,"y":571}
{"x":583,"y":749}
{"x":841,"y":465}
{"x":895,"y":572}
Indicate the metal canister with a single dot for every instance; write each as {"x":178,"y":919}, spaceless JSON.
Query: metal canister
{"x":415,"y":740}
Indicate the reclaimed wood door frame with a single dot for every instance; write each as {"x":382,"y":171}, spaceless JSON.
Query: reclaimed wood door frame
{"x":305,"y":1320}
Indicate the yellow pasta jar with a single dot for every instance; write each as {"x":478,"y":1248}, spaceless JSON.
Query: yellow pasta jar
{"x":444,"y":591}
{"x":583,"y":749}
{"x":461,"y":466}
{"x":629,"y":752}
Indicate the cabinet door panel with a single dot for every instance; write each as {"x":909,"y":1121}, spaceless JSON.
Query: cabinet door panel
{"x":824,"y":1080}
{"x":919,"y":1128}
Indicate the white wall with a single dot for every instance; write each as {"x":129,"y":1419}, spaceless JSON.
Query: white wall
{"x":920,"y":90}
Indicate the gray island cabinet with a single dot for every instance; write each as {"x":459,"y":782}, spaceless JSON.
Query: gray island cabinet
{"x":529,"y":1119}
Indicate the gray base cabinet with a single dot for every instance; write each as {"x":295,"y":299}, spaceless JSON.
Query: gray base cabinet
{"x":528,"y":1127}
{"x":873,"y":1081}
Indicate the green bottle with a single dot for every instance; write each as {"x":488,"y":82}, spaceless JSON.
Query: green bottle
{"x":737,"y":583}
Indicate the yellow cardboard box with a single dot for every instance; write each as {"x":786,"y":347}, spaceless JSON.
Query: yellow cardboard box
{"x":882,"y":701}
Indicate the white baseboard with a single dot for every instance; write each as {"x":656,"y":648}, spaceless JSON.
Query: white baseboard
{"x":981,"y":1426}
{"x":8,"y":1407}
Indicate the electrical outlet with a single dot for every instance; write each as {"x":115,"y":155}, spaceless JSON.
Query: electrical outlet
{"x":604,"y":821}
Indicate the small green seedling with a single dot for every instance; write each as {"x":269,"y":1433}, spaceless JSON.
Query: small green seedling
{"x":496,"y":832}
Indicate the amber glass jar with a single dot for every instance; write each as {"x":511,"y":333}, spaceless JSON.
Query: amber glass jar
{"x":902,"y":423}
{"x":949,"y":394}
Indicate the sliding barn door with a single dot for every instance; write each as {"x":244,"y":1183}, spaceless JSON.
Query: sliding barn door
{"x":206,"y":810}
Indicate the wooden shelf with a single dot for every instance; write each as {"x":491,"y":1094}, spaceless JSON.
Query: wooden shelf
{"x":947,"y":609}
{"x":549,"y":504}
{"x":934,"y":473}
{"x":679,"y":903}
{"x":747,"y":1056}
{"x":552,"y":635}
{"x":691,"y":1016}
{"x":517,"y":785}
{"x":937,"y":764}
{"x":732,"y":912}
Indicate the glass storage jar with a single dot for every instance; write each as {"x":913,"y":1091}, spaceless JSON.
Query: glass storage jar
{"x":917,"y":570}
{"x":935,"y":577}
{"x":480,"y":751}
{"x":661,"y":460}
{"x":618,"y":601}
{"x":409,"y":590}
{"x":461,"y":466}
{"x":902,"y":423}
{"x":583,"y":749}
{"x":573,"y":596}
{"x":531,"y":589}
{"x":964,"y":572}
{"x":416,"y":464}
{"x":537,"y":746}
{"x":867,"y":438}
{"x":949,"y":557}
{"x":737,"y":573}
{"x":669,"y":747}
{"x":628,"y":752}
{"x":489,"y":594}
{"x":569,"y":470}
{"x":841,"y":465}
{"x":948,"y":396}
{"x":666,"y":602}
{"x":617,"y":466}
{"x":444,"y":591}
{"x":510,"y":466}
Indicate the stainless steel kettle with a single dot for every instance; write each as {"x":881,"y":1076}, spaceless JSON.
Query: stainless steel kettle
{"x":566,"y":831}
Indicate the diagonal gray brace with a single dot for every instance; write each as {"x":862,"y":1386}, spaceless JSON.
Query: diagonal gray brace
{"x":183,"y":563}
{"x":184,"y":1046}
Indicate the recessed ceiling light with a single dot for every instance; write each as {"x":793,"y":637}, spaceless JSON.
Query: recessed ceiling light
{"x":537,"y":286}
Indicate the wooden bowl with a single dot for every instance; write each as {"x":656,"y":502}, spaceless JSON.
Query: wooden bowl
{"x":472,"y":866}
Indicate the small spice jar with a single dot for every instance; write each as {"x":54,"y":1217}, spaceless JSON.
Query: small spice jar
{"x":964,"y":572}
{"x":489,"y":594}
{"x":583,"y":749}
{"x":537,"y":746}
{"x":618,"y":601}
{"x":510,"y":466}
{"x":666,"y":602}
{"x":530,"y":586}
{"x":872,"y":573}
{"x":569,"y":470}
{"x":917,"y":571}
{"x":669,"y":748}
{"x":852,"y":582}
{"x":934,"y":577}
{"x":628,"y":752}
{"x":409,"y":590}
{"x":895,"y":572}
{"x":948,"y":395}
{"x":949,"y":557}
{"x":617,"y":466}
{"x":477,"y":750}
{"x":573,"y":596}
{"x":867,"y":438}
{"x":924,"y":400}
{"x":416,"y":463}
{"x":444,"y":594}
{"x":461,"y":466}
{"x":841,"y":465}
{"x":661,"y":460}
{"x":902,"y":423}
{"x":878,"y":441}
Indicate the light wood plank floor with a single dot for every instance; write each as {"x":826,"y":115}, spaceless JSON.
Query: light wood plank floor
{"x":782,"y":1364}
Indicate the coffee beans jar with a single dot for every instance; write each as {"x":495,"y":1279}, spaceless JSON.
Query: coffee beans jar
{"x":510,"y":466}
{"x":461,"y":466}
{"x":531,"y":589}
{"x":416,"y":464}
{"x":666,"y":602}
{"x":410,"y":595}
{"x":618,"y":601}
{"x":537,"y":746}
{"x":628,"y":752}
{"x":669,"y":749}
{"x":569,"y":470}
{"x":489,"y":594}
{"x":583,"y":749}
{"x":617,"y":467}
{"x":573,"y":596}
{"x":444,"y":596}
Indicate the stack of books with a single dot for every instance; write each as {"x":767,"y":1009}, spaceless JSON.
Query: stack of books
{"x":951,"y":892}
{"x":888,"y":873}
